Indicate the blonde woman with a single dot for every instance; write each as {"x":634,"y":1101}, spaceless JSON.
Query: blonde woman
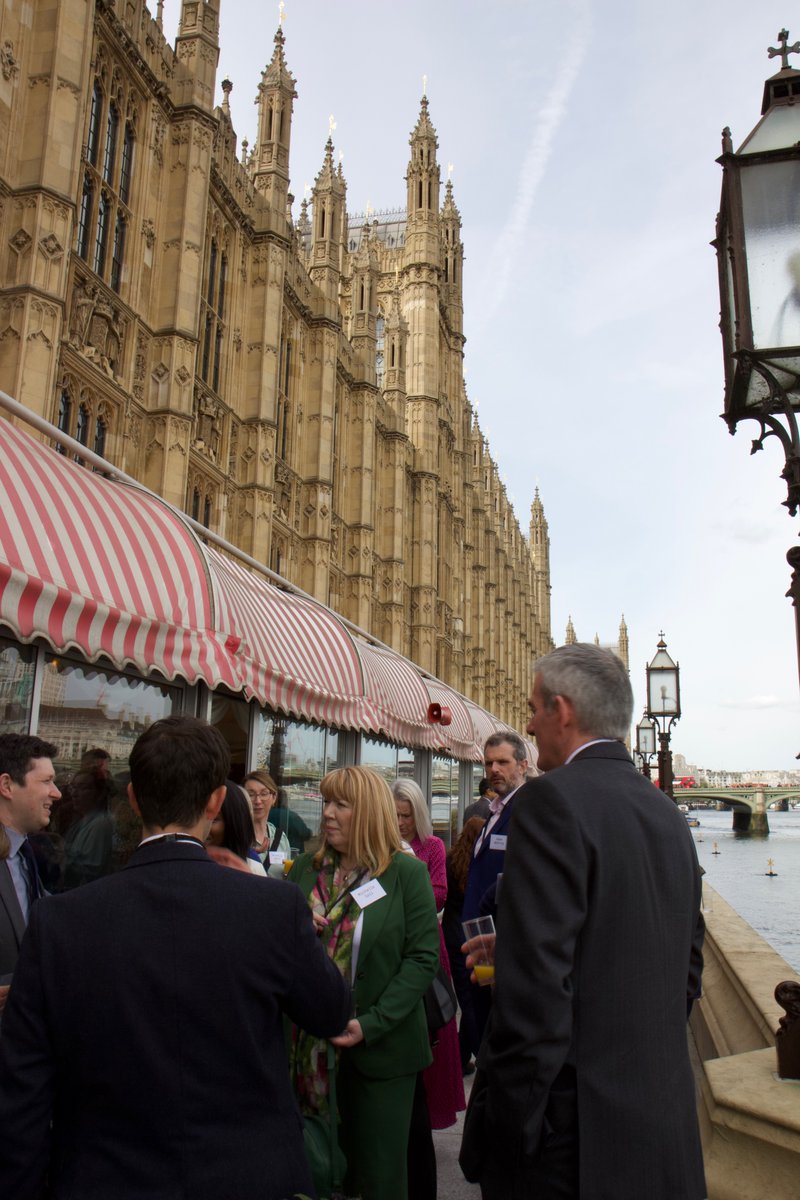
{"x":374,"y":910}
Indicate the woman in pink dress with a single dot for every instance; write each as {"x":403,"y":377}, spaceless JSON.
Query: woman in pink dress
{"x":444,"y":1084}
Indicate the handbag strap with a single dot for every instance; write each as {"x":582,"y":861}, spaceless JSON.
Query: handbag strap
{"x":276,"y":839}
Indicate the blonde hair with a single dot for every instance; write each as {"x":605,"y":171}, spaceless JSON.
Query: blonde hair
{"x":374,"y":835}
{"x":410,"y":792}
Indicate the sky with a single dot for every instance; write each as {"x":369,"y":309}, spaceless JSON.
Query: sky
{"x":583,"y":136}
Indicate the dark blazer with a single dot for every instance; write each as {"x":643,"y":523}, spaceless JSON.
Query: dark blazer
{"x":146,"y":1017}
{"x":487,"y":864}
{"x":599,"y":933}
{"x":12,"y":922}
{"x":397,"y":960}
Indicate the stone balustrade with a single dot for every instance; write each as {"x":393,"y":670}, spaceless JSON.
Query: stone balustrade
{"x":749,"y":1118}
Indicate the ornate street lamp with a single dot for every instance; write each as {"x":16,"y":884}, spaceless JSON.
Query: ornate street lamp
{"x":646,"y":742}
{"x":664,"y":708}
{"x":758,"y":254}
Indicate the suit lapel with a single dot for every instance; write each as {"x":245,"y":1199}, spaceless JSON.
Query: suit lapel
{"x":375,"y":914}
{"x":499,"y":827}
{"x":8,"y":898}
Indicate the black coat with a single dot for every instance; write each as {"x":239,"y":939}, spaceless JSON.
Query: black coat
{"x":598,"y":946}
{"x":145,"y":1017}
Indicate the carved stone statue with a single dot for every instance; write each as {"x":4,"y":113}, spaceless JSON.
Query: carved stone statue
{"x":787,"y":1037}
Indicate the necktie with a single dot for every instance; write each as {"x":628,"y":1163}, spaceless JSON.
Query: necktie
{"x":32,"y":880}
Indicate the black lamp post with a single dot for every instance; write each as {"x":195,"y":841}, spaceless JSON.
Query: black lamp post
{"x":758,"y":253}
{"x":664,"y":708}
{"x":646,"y":742}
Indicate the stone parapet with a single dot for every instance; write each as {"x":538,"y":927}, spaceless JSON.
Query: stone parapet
{"x":749,"y":1118}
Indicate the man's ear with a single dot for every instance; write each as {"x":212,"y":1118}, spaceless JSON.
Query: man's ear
{"x":214,"y":802}
{"x":5,"y":785}
{"x":134,"y":803}
{"x":566,"y":711}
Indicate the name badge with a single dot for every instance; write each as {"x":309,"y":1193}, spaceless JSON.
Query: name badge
{"x":498,"y":841}
{"x":276,"y":858}
{"x":368,"y":893}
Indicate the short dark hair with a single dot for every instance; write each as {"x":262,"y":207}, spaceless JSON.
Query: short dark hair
{"x":514,"y":741}
{"x":484,"y":786}
{"x":175,"y":766}
{"x":239,"y":833}
{"x":17,"y":750}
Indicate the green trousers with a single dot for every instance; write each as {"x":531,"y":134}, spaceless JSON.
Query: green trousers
{"x":375,"y":1115}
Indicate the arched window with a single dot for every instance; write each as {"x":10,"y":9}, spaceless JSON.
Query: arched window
{"x":64,"y":416}
{"x":82,"y":428}
{"x":93,"y":137}
{"x":101,"y":238}
{"x":85,"y":218}
{"x":118,"y":252}
{"x":110,"y":151}
{"x":100,"y":437}
{"x":196,"y":505}
{"x":207,"y":512}
{"x":126,"y":170}
{"x":108,"y":180}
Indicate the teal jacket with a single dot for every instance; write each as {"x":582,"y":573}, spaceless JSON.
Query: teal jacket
{"x":397,"y":960}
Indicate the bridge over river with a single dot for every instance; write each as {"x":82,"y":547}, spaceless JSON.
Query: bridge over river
{"x":748,"y":805}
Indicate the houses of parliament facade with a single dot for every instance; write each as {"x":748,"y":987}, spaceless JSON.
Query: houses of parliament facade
{"x":288,"y":376}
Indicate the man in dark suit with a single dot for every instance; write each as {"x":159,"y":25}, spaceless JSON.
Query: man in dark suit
{"x":584,"y":1087}
{"x":146,"y":1013}
{"x":505,"y":757}
{"x":27,"y":794}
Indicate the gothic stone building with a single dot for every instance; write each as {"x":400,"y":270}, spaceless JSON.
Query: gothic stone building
{"x":295,"y":384}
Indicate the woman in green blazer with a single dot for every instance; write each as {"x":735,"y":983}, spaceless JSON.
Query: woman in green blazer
{"x":373,"y":908}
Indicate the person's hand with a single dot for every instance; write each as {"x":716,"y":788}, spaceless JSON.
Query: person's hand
{"x":351,"y":1037}
{"x":479,"y":950}
{"x":321,"y":922}
{"x":4,"y":990}
{"x":226,"y":858}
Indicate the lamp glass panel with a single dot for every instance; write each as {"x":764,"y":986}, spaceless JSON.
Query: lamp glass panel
{"x":771,"y":211}
{"x":663,"y":693}
{"x":646,"y":739}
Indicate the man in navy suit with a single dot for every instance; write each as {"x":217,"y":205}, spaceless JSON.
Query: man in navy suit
{"x":584,"y":1086}
{"x":506,"y":764}
{"x":27,"y":795}
{"x":145,"y":1020}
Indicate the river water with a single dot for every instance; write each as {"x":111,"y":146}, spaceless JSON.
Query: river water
{"x":739,"y":873}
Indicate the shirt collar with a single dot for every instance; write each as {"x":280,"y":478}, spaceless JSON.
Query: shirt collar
{"x":586,"y":745}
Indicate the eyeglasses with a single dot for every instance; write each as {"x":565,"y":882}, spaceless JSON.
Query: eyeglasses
{"x":263,"y":795}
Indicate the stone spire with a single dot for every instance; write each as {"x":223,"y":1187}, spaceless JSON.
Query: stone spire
{"x":540,"y":556}
{"x":453,"y":260}
{"x":569,"y":637}
{"x":329,"y":201}
{"x":275,"y":100}
{"x":423,"y":176}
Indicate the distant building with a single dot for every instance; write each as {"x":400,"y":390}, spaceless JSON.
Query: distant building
{"x":620,"y":647}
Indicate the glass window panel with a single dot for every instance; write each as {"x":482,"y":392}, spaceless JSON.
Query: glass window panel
{"x":232,"y":717}
{"x":297,"y":756}
{"x":17,"y":666}
{"x":771,"y":210}
{"x":444,"y":802}
{"x":93,"y":716}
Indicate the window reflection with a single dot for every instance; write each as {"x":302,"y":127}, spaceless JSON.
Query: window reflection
{"x":17,"y":665}
{"x":389,"y":760}
{"x":444,"y":805}
{"x":93,"y":716}
{"x":297,"y":756}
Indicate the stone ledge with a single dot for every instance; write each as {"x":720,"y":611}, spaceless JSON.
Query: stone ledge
{"x":751,"y":1128}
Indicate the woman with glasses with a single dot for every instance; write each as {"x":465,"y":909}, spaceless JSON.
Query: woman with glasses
{"x":262,"y":793}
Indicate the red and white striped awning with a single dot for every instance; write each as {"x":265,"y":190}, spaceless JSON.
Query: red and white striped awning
{"x":485,"y":725}
{"x":292,"y":654}
{"x":399,"y":696}
{"x":92,"y":564}
{"x":459,"y":737}
{"x":99,"y":566}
